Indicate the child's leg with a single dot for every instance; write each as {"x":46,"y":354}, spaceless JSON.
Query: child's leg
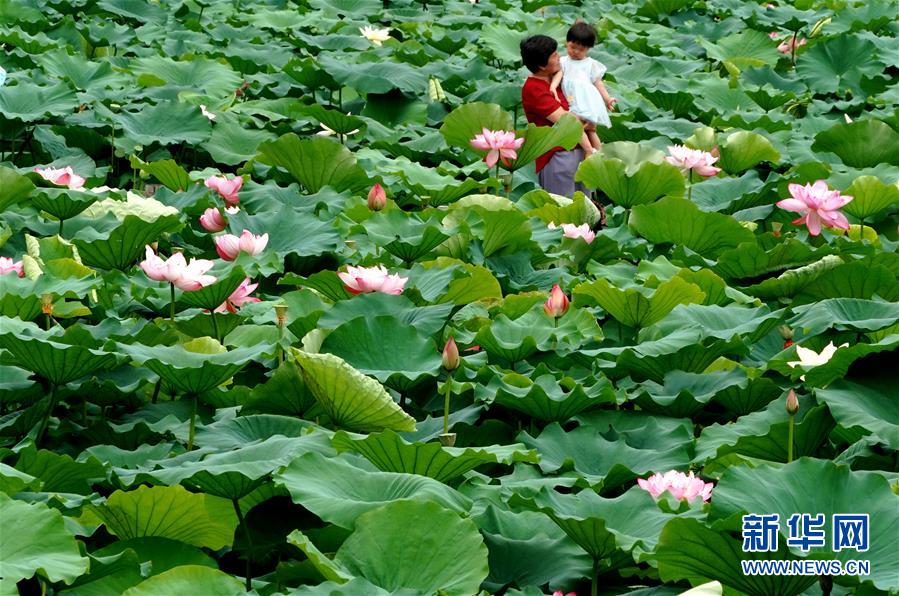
{"x":586,"y":144}
{"x":590,"y":131}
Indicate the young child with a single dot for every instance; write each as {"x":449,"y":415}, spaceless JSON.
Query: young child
{"x":581,"y":79}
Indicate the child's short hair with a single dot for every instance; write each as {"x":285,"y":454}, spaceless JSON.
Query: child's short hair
{"x":582,"y":33}
{"x":536,"y":50}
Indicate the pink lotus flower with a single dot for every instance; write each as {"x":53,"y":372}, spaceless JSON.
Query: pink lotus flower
{"x":176,"y":270}
{"x":7,"y":265}
{"x":212,"y":220}
{"x":226,"y":188}
{"x":818,"y":206}
{"x":573,"y":231}
{"x":377,"y":198}
{"x":774,"y":35}
{"x":62,"y":177}
{"x":560,"y":593}
{"x":557,"y":303}
{"x":789,"y":45}
{"x":239,"y":297}
{"x":692,"y":159}
{"x":228,"y":246}
{"x":500,"y":145}
{"x":684,"y":487}
{"x":361,"y":280}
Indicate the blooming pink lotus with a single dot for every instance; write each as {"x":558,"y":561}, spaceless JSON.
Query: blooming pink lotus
{"x":560,"y":593}
{"x":789,"y":45}
{"x":228,"y":246}
{"x":818,"y":206}
{"x":212,"y":220}
{"x":227,"y":189}
{"x":362,"y":280}
{"x":573,"y":231}
{"x":62,"y":177}
{"x":239,"y":297}
{"x":692,"y":160}
{"x":557,"y":303}
{"x":500,"y":145}
{"x":7,"y":265}
{"x":177,"y":271}
{"x":684,"y":487}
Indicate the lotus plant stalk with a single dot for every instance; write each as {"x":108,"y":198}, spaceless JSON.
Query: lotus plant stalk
{"x":172,"y":303}
{"x":215,"y":327}
{"x":281,"y":321}
{"x":448,"y":390}
{"x":450,"y":360}
{"x":46,"y":419}
{"x":792,"y":409}
{"x":246,"y":534}
{"x":193,"y":423}
{"x":690,"y":188}
{"x":594,"y":579}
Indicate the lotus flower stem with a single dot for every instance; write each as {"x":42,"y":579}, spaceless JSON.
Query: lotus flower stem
{"x":46,"y":419}
{"x":60,"y":227}
{"x":246,"y":535}
{"x":215,"y":327}
{"x":156,"y":389}
{"x":790,"y":438}
{"x":193,"y":423}
{"x":793,"y":48}
{"x":172,"y":303}
{"x":448,"y":387}
{"x":690,"y":188}
{"x":594,"y":583}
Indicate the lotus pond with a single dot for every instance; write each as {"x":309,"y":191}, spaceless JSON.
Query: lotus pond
{"x":270,"y":323}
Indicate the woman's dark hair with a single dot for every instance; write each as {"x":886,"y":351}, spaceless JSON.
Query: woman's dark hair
{"x":582,"y":33}
{"x":536,"y":50}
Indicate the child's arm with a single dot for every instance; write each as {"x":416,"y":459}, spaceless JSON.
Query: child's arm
{"x":610,"y":101}
{"x":554,"y":84}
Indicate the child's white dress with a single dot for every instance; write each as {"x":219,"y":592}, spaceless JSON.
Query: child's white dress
{"x":584,"y":100}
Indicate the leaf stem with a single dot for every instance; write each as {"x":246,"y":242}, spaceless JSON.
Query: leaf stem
{"x":448,"y":389}
{"x":246,"y":534}
{"x":594,"y":584}
{"x":46,"y":419}
{"x":690,"y":188}
{"x":193,"y":423}
{"x":172,"y":303}
{"x":215,"y":327}
{"x":790,"y":438}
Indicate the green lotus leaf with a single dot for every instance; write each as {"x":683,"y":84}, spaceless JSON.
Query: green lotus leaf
{"x":405,"y":235}
{"x":188,"y":371}
{"x":374,"y":77}
{"x":13,"y":481}
{"x":285,"y":392}
{"x":860,"y":144}
{"x":109,"y":574}
{"x":838,"y":365}
{"x":339,"y":492}
{"x":839,"y":490}
{"x":232,"y":144}
{"x":677,"y":221}
{"x":84,"y":74}
{"x":120,"y":246}
{"x":428,"y":320}
{"x":597,"y":459}
{"x":838,"y":64}
{"x":865,"y":405}
{"x":543,"y":397}
{"x":350,"y":398}
{"x":465,"y":122}
{"x":829,"y":277}
{"x":742,"y":50}
{"x":565,"y":133}
{"x":189,"y":579}
{"x":60,"y":473}
{"x":683,"y":394}
{"x":247,"y":430}
{"x":167,"y":171}
{"x":691,"y":551}
{"x":515,"y":339}
{"x":418,"y":546}
{"x":63,"y":203}
{"x":315,"y":163}
{"x":325,"y":283}
{"x":751,"y":259}
{"x":162,"y":553}
{"x":335,"y":120}
{"x":658,"y":8}
{"x":361,"y":342}
{"x":722,"y":322}
{"x":166,"y":123}
{"x":28,"y":102}
{"x":630,"y":174}
{"x":199,"y":74}
{"x":330,"y":570}
{"x":743,"y":150}
{"x":870,"y":197}
{"x":390,"y":453}
{"x":14,"y":188}
{"x":149,"y":13}
{"x":844,"y":313}
{"x":632,"y":308}
{"x":214,"y":295}
{"x":169,"y":512}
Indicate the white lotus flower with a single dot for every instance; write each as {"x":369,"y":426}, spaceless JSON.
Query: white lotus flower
{"x":209,"y":115}
{"x":809,"y":358}
{"x":376,"y":36}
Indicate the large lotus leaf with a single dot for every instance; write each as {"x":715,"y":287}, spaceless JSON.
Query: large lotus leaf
{"x":743,"y":150}
{"x":742,"y":50}
{"x":428,"y":320}
{"x":515,"y":339}
{"x":144,"y":13}
{"x":751,"y":259}
{"x":167,"y":171}
{"x":339,"y":492}
{"x":84,"y":74}
{"x":677,"y":221}
{"x":405,"y":235}
{"x":838,"y":365}
{"x":335,"y":119}
{"x":631,"y":522}
{"x":860,"y":144}
{"x":28,"y":102}
{"x":247,"y":430}
{"x":162,"y":553}
{"x":763,"y":434}
{"x":169,"y":512}
{"x":722,"y":322}
{"x":62,"y":203}
{"x":362,"y":343}
{"x":474,"y":283}
{"x":870,"y":197}
{"x":35,"y":540}
{"x":390,"y":453}
{"x":630,"y":174}
{"x":683,"y":393}
{"x":60,"y":473}
{"x":462,"y":124}
{"x":374,"y":77}
{"x":632,"y":308}
{"x":867,"y":405}
{"x":166,"y":123}
{"x":599,"y":460}
{"x":121,"y":246}
{"x":232,"y":144}
{"x":325,"y":283}
{"x":315,"y":163}
{"x":845,"y":313}
{"x":542,"y":396}
{"x":416,"y":545}
{"x":829,"y":278}
{"x":690,"y":551}
{"x":350,"y":399}
{"x":565,"y":133}
{"x":13,"y":187}
{"x":190,"y":372}
{"x":189,"y":579}
{"x":53,"y":360}
{"x":214,"y":295}
{"x":108,"y":574}
{"x":830,"y":489}
{"x":198,"y":74}
{"x":838,"y":64}
{"x":293,"y":231}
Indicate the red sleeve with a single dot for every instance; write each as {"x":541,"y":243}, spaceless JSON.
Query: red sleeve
{"x":538,"y":100}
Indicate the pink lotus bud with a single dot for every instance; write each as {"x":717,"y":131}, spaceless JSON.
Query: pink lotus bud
{"x":212,"y":220}
{"x":227,"y":189}
{"x":7,"y":265}
{"x":792,"y":403}
{"x":377,"y":198}
{"x":557,"y":303}
{"x":227,"y":246}
{"x":450,"y":355}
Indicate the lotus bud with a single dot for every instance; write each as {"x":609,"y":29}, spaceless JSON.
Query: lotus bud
{"x":557,"y":304}
{"x":450,"y":355}
{"x":817,"y":27}
{"x":377,"y":198}
{"x":792,"y":403}
{"x":47,"y":304}
{"x":281,"y":314}
{"x":787,"y":334}
{"x":776,"y":227}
